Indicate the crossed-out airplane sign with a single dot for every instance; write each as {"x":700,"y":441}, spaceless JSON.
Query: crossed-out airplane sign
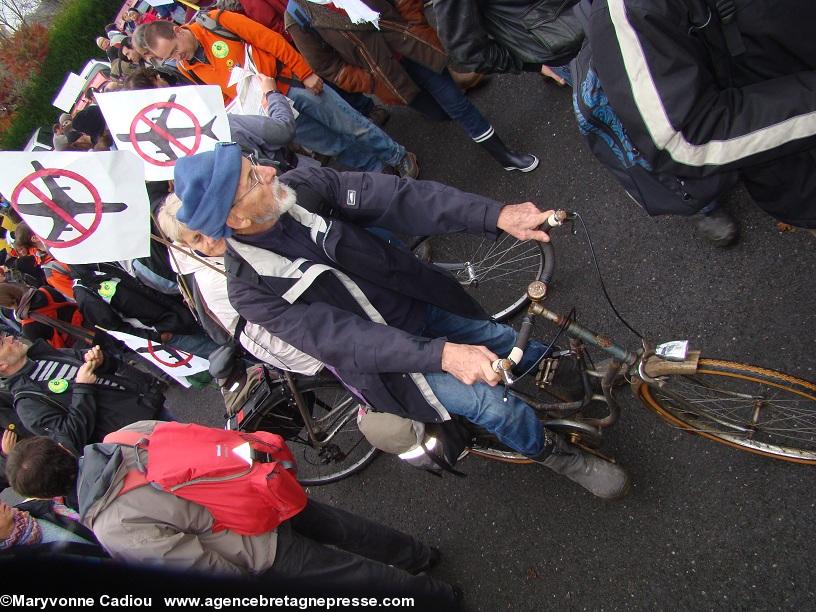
{"x":173,"y":361}
{"x":87,"y":207}
{"x":161,"y":125}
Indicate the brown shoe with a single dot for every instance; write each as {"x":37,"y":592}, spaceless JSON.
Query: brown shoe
{"x":408,"y":167}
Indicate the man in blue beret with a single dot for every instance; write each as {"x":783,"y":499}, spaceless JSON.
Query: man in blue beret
{"x":402,"y":334}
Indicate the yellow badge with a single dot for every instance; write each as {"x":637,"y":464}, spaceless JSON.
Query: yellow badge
{"x":58,"y":385}
{"x":107,"y":289}
{"x":220,"y":49}
{"x":230,"y":64}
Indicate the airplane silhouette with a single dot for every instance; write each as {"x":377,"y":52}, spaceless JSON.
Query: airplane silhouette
{"x":63,"y":201}
{"x":160,"y":142}
{"x":167,"y":349}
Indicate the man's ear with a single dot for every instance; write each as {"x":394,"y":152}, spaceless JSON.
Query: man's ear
{"x":3,"y":367}
{"x":237,"y":222}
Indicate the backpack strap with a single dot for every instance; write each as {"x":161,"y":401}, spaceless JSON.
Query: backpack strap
{"x":213,"y":24}
{"x":136,"y":477}
{"x":38,"y":396}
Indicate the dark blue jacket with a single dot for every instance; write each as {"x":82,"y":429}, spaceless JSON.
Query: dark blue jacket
{"x":384,"y":362}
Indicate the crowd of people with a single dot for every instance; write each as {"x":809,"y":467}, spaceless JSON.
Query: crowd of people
{"x":281,"y":236}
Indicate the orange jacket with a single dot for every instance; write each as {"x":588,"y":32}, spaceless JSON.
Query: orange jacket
{"x":268,"y":48}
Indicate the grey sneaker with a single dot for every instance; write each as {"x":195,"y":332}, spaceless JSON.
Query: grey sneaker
{"x":408,"y":166}
{"x":718,"y":227}
{"x":598,"y":476}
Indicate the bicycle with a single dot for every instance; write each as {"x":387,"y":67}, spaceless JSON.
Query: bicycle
{"x":316,"y":415}
{"x":750,"y":408}
{"x":495,"y":273}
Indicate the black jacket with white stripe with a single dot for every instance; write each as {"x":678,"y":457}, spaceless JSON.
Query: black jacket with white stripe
{"x":692,"y":108}
{"x":80,"y":414}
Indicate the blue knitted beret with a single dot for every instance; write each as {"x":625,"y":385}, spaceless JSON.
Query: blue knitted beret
{"x":206,"y":184}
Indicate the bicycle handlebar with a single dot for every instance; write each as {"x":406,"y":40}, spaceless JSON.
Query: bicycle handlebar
{"x":536,"y":292}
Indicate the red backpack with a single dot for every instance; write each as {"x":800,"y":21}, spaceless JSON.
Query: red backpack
{"x":249,"y":492}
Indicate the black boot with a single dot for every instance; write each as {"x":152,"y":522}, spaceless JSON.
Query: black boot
{"x":510,"y":160}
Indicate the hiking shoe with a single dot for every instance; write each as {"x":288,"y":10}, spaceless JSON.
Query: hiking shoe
{"x":717,"y":226}
{"x":379,"y":116}
{"x":598,"y":476}
{"x":408,"y":166}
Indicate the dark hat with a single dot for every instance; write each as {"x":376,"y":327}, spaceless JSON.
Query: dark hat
{"x":206,"y":184}
{"x":90,"y":121}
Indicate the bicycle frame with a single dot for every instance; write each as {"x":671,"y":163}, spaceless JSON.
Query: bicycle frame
{"x":320,"y":432}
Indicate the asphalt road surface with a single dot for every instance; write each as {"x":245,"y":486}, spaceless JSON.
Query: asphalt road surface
{"x":705,"y":527}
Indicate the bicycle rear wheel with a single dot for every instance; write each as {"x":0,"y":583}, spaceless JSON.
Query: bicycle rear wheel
{"x":753,"y":409}
{"x":334,"y":411}
{"x":495,"y":273}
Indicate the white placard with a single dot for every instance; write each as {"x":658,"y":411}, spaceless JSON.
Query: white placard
{"x":87,"y":207}
{"x":173,"y":361}
{"x":161,"y":125}
{"x":68,"y":94}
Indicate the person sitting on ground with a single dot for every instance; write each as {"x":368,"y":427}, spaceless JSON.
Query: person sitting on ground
{"x":40,"y":526}
{"x":37,"y":307}
{"x":266,"y":136}
{"x":326,"y":123}
{"x":76,"y":397}
{"x":146,"y":526}
{"x":399,"y":68}
{"x":402,"y":332}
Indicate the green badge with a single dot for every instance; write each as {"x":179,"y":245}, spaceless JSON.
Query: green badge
{"x":107,"y":289}
{"x":58,"y":385}
{"x":220,"y":49}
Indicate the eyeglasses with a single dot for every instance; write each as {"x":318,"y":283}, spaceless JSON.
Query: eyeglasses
{"x":254,"y":179}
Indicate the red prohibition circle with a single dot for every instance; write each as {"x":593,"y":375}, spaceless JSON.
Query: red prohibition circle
{"x":177,"y":364}
{"x":28,"y":184}
{"x":141,"y":116}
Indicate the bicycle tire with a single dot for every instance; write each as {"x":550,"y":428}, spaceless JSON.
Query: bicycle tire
{"x":493,"y":272}
{"x":349,"y":450}
{"x":768,"y":413}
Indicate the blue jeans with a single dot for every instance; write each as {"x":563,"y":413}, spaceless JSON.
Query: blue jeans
{"x":200,"y":344}
{"x":328,"y":125}
{"x":448,"y":95}
{"x":513,"y":422}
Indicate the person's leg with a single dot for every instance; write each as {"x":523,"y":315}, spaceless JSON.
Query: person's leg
{"x":498,"y":337}
{"x":199,"y":344}
{"x":356,"y":534}
{"x":457,"y":105}
{"x":305,"y":556}
{"x":334,"y":112}
{"x":454,"y":102}
{"x":513,"y":422}
{"x":314,"y":135}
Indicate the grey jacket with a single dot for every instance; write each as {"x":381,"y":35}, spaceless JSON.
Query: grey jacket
{"x":147,"y":526}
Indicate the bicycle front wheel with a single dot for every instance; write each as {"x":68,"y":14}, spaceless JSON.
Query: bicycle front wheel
{"x":753,"y":409}
{"x":344,"y":451}
{"x":496,"y":273}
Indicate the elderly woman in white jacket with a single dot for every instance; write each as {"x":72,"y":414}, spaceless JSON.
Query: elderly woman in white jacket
{"x":207,"y":267}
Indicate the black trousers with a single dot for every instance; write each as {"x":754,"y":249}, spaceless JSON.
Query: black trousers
{"x":334,"y":550}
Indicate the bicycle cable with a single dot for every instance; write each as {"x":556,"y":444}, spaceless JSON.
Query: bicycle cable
{"x":570,"y":318}
{"x":601,"y":280}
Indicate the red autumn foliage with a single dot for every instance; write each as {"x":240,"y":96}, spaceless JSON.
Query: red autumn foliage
{"x":21,"y":57}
